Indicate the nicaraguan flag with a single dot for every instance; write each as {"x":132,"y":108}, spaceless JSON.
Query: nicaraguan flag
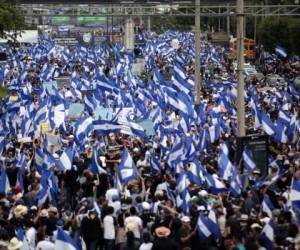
{"x":195,"y":173}
{"x":4,"y":182}
{"x":268,"y":235}
{"x":267,"y":124}
{"x":214,"y":133}
{"x":281,"y":51}
{"x":66,"y":159}
{"x":208,"y":226}
{"x":295,"y":198}
{"x":248,"y":160}
{"x":96,"y":167}
{"x":155,"y":165}
{"x":127,"y":168}
{"x":235,"y":183}
{"x":42,"y":195}
{"x":105,"y":127}
{"x":225,"y":166}
{"x":267,"y":206}
{"x":64,"y":241}
{"x":215,"y":184}
{"x":83,"y":127}
{"x":182,"y":182}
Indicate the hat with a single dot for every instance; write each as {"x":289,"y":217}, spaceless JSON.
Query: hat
{"x":185,"y":219}
{"x":83,"y":200}
{"x":244,"y":217}
{"x":20,"y":211}
{"x":256,"y":225}
{"x":3,"y":243}
{"x":276,"y":212}
{"x":203,"y":193}
{"x":162,"y":232}
{"x":235,"y":206}
{"x":92,"y":211}
{"x":33,"y":208}
{"x":146,"y":205}
{"x":14,"y":244}
{"x":53,"y":210}
{"x":159,"y":193}
{"x":265,"y":220}
{"x":59,"y":223}
{"x":44,"y":213}
{"x":256,"y":171}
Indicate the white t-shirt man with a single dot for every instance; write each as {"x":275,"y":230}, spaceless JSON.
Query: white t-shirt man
{"x":30,"y":236}
{"x":45,"y":245}
{"x":146,"y":246}
{"x":137,"y":225}
{"x":109,"y":228}
{"x":110,"y":193}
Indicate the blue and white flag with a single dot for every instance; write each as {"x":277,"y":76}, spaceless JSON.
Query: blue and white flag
{"x":225,"y":166}
{"x":127,"y":168}
{"x":42,"y":195}
{"x":83,"y":127}
{"x":248,"y":160}
{"x":215,"y":184}
{"x":267,"y":124}
{"x":295,"y":198}
{"x":268,"y":235}
{"x":281,"y":51}
{"x":267,"y":206}
{"x":182,"y":182}
{"x":208,"y":226}
{"x":155,"y":165}
{"x":96,"y":168}
{"x":66,"y":159}
{"x":235,"y":183}
{"x":195,"y":173}
{"x":64,"y":241}
{"x":213,"y":133}
{"x":105,"y":127}
{"x":4,"y":182}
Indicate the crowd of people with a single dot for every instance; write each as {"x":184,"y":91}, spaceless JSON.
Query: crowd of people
{"x":104,"y":182}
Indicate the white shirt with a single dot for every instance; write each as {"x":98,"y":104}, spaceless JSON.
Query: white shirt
{"x":110,"y":193}
{"x":137,"y":222}
{"x":45,"y":245}
{"x":30,"y":237}
{"x":146,"y":246}
{"x":109,"y":228}
{"x":117,"y":206}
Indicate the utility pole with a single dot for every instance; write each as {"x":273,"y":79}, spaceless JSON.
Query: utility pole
{"x":240,"y":69}
{"x":228,"y":20}
{"x":197,"y":52}
{"x":149,"y":23}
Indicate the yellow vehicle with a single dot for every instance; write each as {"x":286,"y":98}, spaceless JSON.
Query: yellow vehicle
{"x":249,"y":45}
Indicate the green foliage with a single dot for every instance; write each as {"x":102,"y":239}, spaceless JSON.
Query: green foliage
{"x":11,"y":19}
{"x":283,"y":31}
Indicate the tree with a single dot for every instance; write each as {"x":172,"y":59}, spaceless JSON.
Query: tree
{"x":11,"y":19}
{"x":284,"y":31}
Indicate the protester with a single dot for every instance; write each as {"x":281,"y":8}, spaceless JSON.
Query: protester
{"x":141,"y":166}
